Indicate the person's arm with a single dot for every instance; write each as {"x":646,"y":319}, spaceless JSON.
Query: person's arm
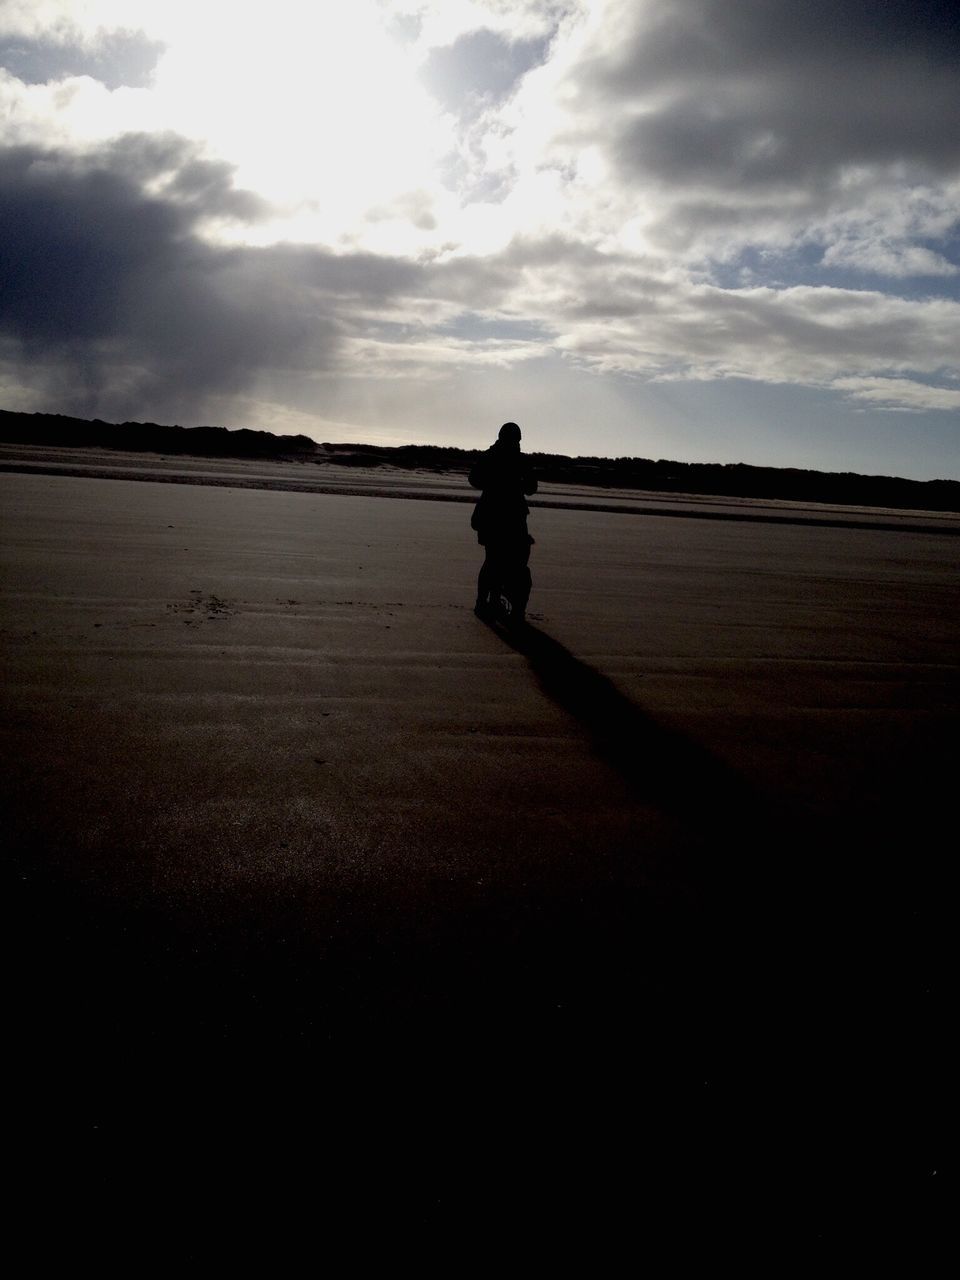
{"x":477,"y":476}
{"x":529,"y":479}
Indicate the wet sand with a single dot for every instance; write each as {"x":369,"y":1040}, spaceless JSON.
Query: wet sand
{"x":273,"y":792}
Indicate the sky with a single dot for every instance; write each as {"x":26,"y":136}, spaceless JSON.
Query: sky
{"x":689,"y":229}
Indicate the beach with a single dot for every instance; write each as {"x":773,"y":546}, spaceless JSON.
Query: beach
{"x":269,"y":781}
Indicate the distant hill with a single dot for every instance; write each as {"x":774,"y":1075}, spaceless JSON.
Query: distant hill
{"x":204,"y":442}
{"x":662,"y":476}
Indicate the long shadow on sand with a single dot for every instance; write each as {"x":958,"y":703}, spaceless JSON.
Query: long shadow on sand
{"x":727,"y":844}
{"x":662,"y":766}
{"x":805,"y":937}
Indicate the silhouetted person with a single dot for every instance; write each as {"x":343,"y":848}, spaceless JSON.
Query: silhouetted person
{"x":500,"y":518}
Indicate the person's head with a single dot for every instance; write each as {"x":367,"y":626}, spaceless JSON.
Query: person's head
{"x":509,"y":433}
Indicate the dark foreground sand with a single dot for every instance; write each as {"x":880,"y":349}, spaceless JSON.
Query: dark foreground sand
{"x":277,"y":802}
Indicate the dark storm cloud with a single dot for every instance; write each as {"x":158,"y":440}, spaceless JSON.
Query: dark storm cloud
{"x":479,"y":69}
{"x":81,"y":241}
{"x":695,"y":37}
{"x":203,"y":187}
{"x":768,"y":93}
{"x":774,"y":138}
{"x":115,"y":58}
{"x":108,"y":295}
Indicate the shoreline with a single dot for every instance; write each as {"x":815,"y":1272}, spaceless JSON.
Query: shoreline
{"x":417,"y":486}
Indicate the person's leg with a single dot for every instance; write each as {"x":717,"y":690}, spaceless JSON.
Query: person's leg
{"x":523,"y":584}
{"x":486,"y":582}
{"x":518,"y":580}
{"x":495,"y":574}
{"x":504,"y":571}
{"x":518,"y":584}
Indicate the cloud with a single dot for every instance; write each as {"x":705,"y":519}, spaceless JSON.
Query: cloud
{"x":767,"y":91}
{"x":614,"y":312}
{"x":714,"y":125}
{"x":108,"y":286}
{"x":435,"y":24}
{"x":900,"y":393}
{"x":111,"y":299}
{"x":801,"y":335}
{"x":887,"y":257}
{"x":479,"y":69}
{"x":114,"y":58}
{"x":648,"y":191}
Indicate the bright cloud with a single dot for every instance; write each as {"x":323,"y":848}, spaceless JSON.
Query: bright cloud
{"x":899,"y":393}
{"x":664,"y":191}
